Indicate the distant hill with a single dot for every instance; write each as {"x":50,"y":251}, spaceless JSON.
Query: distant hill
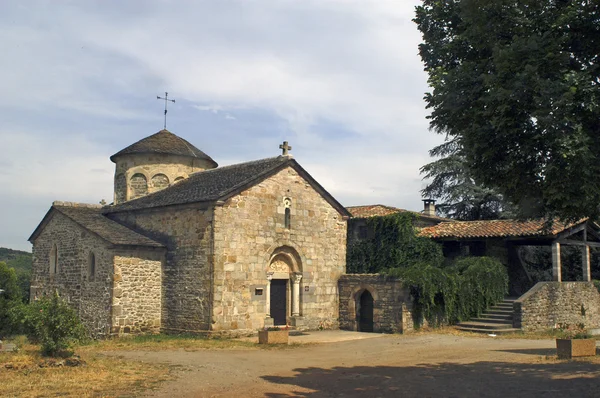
{"x":17,"y":259}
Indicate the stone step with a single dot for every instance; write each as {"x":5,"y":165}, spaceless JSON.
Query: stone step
{"x":492,"y":320}
{"x":485,"y":325}
{"x":488,"y":331}
{"x":502,"y":307}
{"x":498,"y":312}
{"x":490,"y":315}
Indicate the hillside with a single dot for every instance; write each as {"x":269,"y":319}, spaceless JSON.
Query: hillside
{"x":17,"y":259}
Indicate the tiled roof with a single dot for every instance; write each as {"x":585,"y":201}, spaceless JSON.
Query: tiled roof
{"x":381,"y":210}
{"x":167,"y":143}
{"x":494,"y":229}
{"x":206,"y":186}
{"x":92,"y":219}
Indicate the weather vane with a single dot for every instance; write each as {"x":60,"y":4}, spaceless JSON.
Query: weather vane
{"x":166,"y":98}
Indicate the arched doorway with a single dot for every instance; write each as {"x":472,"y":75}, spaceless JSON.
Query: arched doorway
{"x":283,"y":286}
{"x":365,"y":312}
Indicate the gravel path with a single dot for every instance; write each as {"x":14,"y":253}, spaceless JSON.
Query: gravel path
{"x":431,"y":365}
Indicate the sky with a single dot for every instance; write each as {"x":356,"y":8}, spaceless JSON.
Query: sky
{"x":340,"y":80}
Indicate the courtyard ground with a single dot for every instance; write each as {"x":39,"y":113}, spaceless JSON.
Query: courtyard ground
{"x":423,"y":365}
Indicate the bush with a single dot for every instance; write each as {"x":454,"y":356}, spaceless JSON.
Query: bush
{"x":52,"y":323}
{"x":9,"y":297}
{"x":455,"y":293}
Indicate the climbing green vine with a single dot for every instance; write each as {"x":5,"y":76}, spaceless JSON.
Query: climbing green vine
{"x":456,"y":292}
{"x":391,"y":243}
{"x":443,"y":291}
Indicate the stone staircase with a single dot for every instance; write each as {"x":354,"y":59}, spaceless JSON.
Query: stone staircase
{"x":497,"y":319}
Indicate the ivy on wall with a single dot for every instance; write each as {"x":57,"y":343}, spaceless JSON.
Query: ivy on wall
{"x":442,"y":292}
{"x":391,"y":243}
{"x":456,"y":292}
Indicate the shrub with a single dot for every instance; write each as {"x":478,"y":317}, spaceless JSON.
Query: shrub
{"x":54,"y":324}
{"x":9,"y":297}
{"x":454,"y":293}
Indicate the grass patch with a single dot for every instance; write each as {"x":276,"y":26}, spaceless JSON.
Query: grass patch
{"x":22,"y":376}
{"x":159,"y":342}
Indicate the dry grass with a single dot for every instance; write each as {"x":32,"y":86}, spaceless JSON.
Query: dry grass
{"x":22,"y":376}
{"x":163,"y":342}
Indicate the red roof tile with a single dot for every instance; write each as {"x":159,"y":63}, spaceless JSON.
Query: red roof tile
{"x":494,"y":229}
{"x":381,"y":210}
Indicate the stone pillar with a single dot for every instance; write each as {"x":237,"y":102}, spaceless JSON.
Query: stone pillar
{"x":268,"y":294}
{"x":296,"y":294}
{"x":585,"y":259}
{"x":556,"y":263}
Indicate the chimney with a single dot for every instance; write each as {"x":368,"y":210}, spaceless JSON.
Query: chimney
{"x":429,"y":207}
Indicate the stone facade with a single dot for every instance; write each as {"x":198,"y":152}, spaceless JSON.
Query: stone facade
{"x":549,"y":305}
{"x":186,"y":284}
{"x":90,"y":296}
{"x":250,"y":237}
{"x":137,"y":291}
{"x":137,"y":175}
{"x":100,"y":281}
{"x":392,"y":303}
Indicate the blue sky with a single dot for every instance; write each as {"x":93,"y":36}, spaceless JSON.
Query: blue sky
{"x":340,"y":80}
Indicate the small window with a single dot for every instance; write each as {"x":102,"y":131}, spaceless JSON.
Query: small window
{"x":54,"y":259}
{"x":287,"y":203}
{"x":258,"y":292}
{"x":287,"y":218}
{"x":362,"y":232}
{"x":91,"y":266}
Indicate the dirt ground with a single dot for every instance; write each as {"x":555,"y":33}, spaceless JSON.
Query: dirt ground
{"x":430,"y":365}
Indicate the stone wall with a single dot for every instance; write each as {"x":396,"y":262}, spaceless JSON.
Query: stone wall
{"x":186,"y":279}
{"x":89,"y":295}
{"x":137,"y":291}
{"x":159,"y":170}
{"x":550,"y":304}
{"x":250,"y":228}
{"x":392,"y":303}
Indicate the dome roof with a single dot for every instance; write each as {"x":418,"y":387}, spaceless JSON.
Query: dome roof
{"x":164,"y":142}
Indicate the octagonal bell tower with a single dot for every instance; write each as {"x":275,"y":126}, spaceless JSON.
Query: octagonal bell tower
{"x":154,"y":163}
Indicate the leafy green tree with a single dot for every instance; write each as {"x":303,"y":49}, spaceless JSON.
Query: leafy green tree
{"x":10,"y":296}
{"x":461,"y":197}
{"x":516,"y":84}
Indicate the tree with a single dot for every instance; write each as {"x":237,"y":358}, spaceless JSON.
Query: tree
{"x":516,"y":85}
{"x":10,"y":296}
{"x":462,"y":197}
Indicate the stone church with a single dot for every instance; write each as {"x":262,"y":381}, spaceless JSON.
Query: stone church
{"x":188,"y":246}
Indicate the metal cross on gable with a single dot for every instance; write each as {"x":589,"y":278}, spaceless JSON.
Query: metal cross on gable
{"x":285,"y":147}
{"x":166,"y":98}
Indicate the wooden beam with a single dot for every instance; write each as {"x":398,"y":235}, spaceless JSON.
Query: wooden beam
{"x":578,"y":243}
{"x":556,"y":264}
{"x":572,"y":231}
{"x":585,"y":263}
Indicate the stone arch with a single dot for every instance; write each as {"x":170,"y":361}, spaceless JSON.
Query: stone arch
{"x":160,"y":181}
{"x":354,"y":305}
{"x":285,"y":255}
{"x":139,"y":185}
{"x":180,"y":178}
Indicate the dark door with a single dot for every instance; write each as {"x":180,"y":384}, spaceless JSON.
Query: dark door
{"x":365,"y":315}
{"x":279,"y":301}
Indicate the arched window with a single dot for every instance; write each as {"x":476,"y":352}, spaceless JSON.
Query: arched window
{"x":91,"y":266}
{"x":179,"y":179}
{"x":160,"y":181}
{"x":287,"y":203}
{"x":139,"y":186}
{"x":54,"y":259}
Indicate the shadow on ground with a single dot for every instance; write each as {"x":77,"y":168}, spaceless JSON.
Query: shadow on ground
{"x":480,"y":379}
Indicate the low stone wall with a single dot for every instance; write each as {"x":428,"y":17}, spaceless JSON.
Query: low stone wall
{"x":391,"y":302}
{"x":550,"y":304}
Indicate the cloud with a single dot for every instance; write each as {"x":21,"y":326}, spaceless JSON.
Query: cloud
{"x":340,"y":80}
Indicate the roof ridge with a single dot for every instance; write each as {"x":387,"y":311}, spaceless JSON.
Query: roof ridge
{"x":59,"y":203}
